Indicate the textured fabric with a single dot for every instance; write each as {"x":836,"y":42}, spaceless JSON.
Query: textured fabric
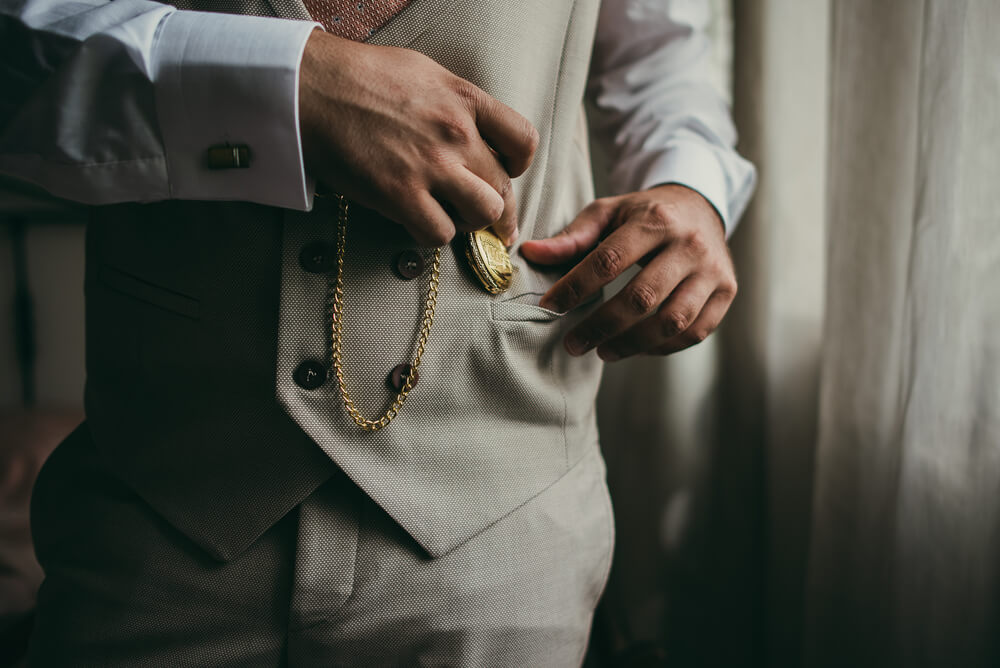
{"x":173,"y":297}
{"x":337,"y":583}
{"x":354,"y":19}
{"x":519,"y":594}
{"x":501,"y":411}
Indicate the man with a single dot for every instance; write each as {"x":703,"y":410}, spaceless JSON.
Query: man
{"x":312,"y":439}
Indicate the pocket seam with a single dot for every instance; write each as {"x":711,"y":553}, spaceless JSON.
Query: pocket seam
{"x":508,"y":310}
{"x":150,"y":293}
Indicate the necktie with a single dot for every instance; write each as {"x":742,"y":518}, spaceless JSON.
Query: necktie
{"x":354,"y":19}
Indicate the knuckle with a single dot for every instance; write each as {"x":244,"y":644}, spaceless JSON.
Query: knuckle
{"x":403,"y":188}
{"x":463,"y":224}
{"x":600,"y":330}
{"x":695,"y":245}
{"x":601,"y":204}
{"x":660,"y":213}
{"x":729,"y":287}
{"x":567,"y":296}
{"x":505,"y":186}
{"x":455,"y":130}
{"x":440,"y":236}
{"x":642,"y":299}
{"x":607,"y":262}
{"x":571,"y":293}
{"x":695,"y":336}
{"x":491,"y":211}
{"x":439,"y":157}
{"x":675,"y":321}
{"x":596,"y":208}
{"x":467,"y":90}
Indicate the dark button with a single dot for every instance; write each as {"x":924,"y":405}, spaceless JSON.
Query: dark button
{"x":309,"y":375}
{"x":228,"y":157}
{"x":399,"y":374}
{"x":409,"y":264}
{"x":317,"y":257}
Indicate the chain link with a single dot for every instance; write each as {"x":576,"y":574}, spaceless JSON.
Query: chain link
{"x":337,"y":320}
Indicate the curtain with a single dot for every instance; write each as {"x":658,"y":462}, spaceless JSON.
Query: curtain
{"x":710,"y":451}
{"x":820,"y":484}
{"x":905,"y":551}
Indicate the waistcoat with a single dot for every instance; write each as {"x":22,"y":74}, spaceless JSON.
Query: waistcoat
{"x":198,"y":314}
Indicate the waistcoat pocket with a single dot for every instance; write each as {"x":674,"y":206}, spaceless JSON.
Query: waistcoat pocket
{"x":150,"y":293}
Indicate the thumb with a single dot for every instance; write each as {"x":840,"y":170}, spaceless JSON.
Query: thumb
{"x":576,"y":239}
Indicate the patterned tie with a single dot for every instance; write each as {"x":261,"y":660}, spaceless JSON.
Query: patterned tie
{"x":354,"y":19}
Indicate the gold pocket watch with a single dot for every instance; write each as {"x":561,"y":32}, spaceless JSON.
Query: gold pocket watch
{"x":489,"y":260}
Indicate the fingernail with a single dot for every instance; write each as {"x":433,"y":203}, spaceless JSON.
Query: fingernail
{"x":576,"y":345}
{"x":550,"y":304}
{"x":512,"y":239}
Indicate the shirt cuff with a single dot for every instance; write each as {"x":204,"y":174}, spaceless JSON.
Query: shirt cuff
{"x":232,"y":80}
{"x":698,"y":168}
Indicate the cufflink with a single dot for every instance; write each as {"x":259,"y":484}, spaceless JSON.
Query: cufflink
{"x":228,"y":157}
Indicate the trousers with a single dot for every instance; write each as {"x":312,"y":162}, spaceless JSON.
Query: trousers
{"x":334,"y":583}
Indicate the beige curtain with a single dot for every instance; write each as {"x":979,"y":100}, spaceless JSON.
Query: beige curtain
{"x":821,"y":484}
{"x":710,"y":451}
{"x":905,"y":553}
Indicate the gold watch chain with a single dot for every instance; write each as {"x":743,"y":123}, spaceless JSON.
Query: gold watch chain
{"x":337,"y":320}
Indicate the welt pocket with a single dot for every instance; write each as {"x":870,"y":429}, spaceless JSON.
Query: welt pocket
{"x":524,"y":308}
{"x":150,"y":293}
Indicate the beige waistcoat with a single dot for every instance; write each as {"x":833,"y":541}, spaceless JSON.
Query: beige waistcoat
{"x":198,"y":314}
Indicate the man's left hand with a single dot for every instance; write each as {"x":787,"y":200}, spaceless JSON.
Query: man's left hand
{"x":678,"y":298}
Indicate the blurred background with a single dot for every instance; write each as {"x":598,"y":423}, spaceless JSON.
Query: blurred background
{"x":818,"y":483}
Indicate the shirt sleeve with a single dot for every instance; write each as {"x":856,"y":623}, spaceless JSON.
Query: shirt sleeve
{"x":109,"y":102}
{"x":657,"y":112}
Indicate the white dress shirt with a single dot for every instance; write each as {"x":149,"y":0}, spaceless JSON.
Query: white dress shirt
{"x":104,"y":102}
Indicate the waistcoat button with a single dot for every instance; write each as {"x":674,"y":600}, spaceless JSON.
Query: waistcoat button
{"x":309,"y":375}
{"x":317,"y":257}
{"x":399,"y":374}
{"x":409,"y":264}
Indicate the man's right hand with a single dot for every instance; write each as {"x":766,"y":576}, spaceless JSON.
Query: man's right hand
{"x":394,"y":131}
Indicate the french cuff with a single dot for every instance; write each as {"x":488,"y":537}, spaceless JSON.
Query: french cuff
{"x":227,"y":90}
{"x":696,"y":167}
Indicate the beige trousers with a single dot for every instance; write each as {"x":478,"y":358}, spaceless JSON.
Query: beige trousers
{"x":335,"y":583}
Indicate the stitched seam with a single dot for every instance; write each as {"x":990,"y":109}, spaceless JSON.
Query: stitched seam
{"x":552,"y":122}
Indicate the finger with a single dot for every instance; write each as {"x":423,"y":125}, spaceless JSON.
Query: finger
{"x":703,"y":326}
{"x":620,"y":250}
{"x":674,"y":317}
{"x":510,"y":133}
{"x":485,"y":163}
{"x":426,"y":220}
{"x":581,"y":235}
{"x":636,"y":301}
{"x":506,"y":227}
{"x":476,"y":203}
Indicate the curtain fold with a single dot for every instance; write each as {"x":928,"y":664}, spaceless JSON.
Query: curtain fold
{"x":710,"y":451}
{"x":820,"y":484}
{"x":905,"y":552}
